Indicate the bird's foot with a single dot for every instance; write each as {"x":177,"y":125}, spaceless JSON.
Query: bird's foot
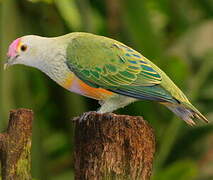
{"x":84,"y":116}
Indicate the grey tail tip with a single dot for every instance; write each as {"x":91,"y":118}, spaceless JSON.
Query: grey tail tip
{"x":187,"y":114}
{"x":190,"y":121}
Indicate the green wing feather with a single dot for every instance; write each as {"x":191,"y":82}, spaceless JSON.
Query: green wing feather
{"x":106,"y":63}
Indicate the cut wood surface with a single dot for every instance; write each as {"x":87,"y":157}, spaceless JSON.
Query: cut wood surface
{"x":110,"y":146}
{"x":15,"y":146}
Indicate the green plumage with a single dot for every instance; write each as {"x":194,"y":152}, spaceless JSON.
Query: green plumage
{"x":109,"y":64}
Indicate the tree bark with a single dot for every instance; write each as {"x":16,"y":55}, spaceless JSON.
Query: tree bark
{"x":109,"y":146}
{"x":15,"y":146}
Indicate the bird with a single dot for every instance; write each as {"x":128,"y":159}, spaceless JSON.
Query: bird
{"x":101,"y":68}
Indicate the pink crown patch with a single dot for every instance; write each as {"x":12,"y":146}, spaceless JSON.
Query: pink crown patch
{"x":13,"y":48}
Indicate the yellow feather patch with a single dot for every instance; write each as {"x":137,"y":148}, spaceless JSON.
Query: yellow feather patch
{"x":68,"y":81}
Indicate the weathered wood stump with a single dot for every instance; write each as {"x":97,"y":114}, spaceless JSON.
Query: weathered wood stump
{"x":109,"y":146}
{"x":15,"y":146}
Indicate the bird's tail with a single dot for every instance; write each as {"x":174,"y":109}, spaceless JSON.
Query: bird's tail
{"x":186,"y":112}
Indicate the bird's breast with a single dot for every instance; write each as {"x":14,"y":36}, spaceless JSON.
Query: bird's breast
{"x":74,"y":84}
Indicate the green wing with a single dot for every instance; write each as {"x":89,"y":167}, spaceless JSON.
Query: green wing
{"x":106,"y":63}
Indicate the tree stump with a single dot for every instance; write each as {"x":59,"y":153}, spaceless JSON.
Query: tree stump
{"x":110,"y":146}
{"x":15,"y":146}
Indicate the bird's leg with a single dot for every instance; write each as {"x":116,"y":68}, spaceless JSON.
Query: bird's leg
{"x":106,"y":107}
{"x":115,"y":103}
{"x":109,"y":105}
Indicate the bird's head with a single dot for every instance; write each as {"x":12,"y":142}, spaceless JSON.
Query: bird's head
{"x":27,"y":50}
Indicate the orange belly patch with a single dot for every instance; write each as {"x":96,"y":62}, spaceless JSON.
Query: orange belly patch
{"x":74,"y":84}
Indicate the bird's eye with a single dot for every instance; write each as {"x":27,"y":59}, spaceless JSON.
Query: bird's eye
{"x":23,"y":48}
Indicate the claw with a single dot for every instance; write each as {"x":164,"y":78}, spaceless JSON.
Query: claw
{"x":85,"y":115}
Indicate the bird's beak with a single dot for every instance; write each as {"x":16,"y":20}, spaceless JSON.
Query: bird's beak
{"x":6,"y":65}
{"x":10,"y":61}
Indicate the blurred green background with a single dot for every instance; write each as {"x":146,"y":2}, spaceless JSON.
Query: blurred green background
{"x":176,"y":35}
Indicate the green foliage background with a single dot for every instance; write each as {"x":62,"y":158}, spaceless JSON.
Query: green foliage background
{"x":176,"y":35}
